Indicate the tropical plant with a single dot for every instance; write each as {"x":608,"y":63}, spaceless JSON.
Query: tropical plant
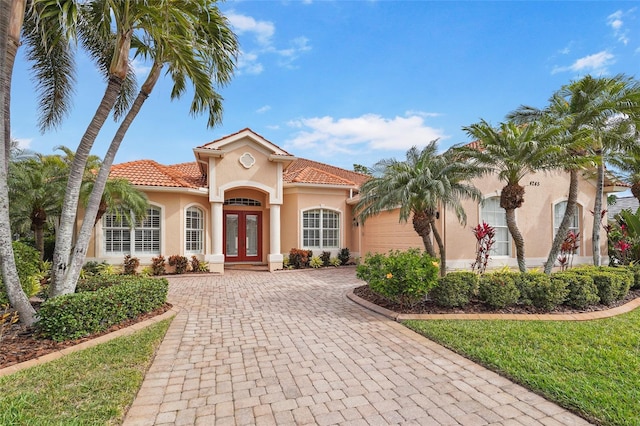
{"x":582,"y":112}
{"x":194,"y":40}
{"x":36,"y":187}
{"x":419,"y":186}
{"x":511,"y":151}
{"x":485,"y":239}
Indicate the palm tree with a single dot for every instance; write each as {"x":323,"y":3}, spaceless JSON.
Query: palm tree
{"x":119,"y":195}
{"x":628,"y":164}
{"x":36,"y":188}
{"x":418,"y":187}
{"x":582,"y":112}
{"x":197,"y":45}
{"x":512,"y":152}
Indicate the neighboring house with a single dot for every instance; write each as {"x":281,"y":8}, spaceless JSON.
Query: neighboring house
{"x":245,"y":200}
{"x":622,"y":203}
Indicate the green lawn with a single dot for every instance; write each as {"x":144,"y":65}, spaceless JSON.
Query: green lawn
{"x":91,"y":387}
{"x":592,"y":367}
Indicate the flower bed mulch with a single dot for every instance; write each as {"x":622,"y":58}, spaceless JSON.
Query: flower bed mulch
{"x":19,"y":343}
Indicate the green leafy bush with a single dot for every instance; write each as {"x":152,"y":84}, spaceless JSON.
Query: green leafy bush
{"x":29,"y":272}
{"x":635,"y":269}
{"x":498,"y":290}
{"x":315,"y":262}
{"x":455,"y":289}
{"x":198,"y":266}
{"x":612,"y":283}
{"x":299,"y":258}
{"x":540,"y":291}
{"x":334,"y":261}
{"x":97,"y":282}
{"x":91,"y":268}
{"x":402,"y":277}
{"x":582,"y":290}
{"x":344,"y":255}
{"x":325,"y":257}
{"x":130,"y":265}
{"x":73,"y":316}
{"x":180,"y":263}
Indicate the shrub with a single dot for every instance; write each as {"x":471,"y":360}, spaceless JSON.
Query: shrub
{"x":315,"y":262}
{"x":582,"y":290}
{"x":498,"y":290}
{"x":299,"y":258}
{"x":538,"y":290}
{"x":158,"y":265}
{"x":334,"y":261}
{"x":130,"y":265}
{"x":325,"y":257}
{"x":91,"y":268}
{"x":612,"y":283}
{"x":106,"y":269}
{"x":402,"y":277}
{"x":485,"y":239}
{"x":29,"y":272}
{"x":77,"y":315}
{"x":344,"y":255}
{"x":180,"y":263}
{"x":635,"y":269}
{"x":97,"y":282}
{"x":198,"y":266}
{"x":8,"y":317}
{"x":455,"y":289}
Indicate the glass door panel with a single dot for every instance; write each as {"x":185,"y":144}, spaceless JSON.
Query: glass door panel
{"x":231,"y":235}
{"x":251,"y":235}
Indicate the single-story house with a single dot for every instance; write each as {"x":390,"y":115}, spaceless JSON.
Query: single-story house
{"x":246,"y":200}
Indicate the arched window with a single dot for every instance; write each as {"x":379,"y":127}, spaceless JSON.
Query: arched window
{"x":194,"y":230}
{"x":496,"y":216}
{"x":321,"y":229}
{"x":558,"y":214}
{"x":117,"y":231}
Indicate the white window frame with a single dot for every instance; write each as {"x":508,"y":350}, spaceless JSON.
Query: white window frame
{"x":503,"y":228}
{"x":321,"y":228}
{"x":190,"y":230}
{"x":144,"y":233}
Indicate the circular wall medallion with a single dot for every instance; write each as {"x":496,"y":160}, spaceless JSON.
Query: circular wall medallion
{"x":247,"y":160}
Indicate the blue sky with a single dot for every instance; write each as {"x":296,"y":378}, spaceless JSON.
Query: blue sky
{"x":346,"y":82}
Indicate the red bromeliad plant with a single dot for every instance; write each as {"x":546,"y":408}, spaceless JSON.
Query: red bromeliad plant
{"x":569,"y":247}
{"x":485,"y":238}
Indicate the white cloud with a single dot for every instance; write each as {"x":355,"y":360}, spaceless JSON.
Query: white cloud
{"x":263,"y":109}
{"x":596,"y":63}
{"x":261,"y":42}
{"x":423,"y":114}
{"x":140,"y":67}
{"x":616,"y":22}
{"x":359,"y":134}
{"x":262,"y":30}
{"x":23,"y":143}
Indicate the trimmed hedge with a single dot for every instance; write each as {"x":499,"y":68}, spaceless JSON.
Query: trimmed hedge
{"x":455,"y":289}
{"x":539,"y":290}
{"x":612,"y":283}
{"x":582,"y":290}
{"x":73,"y":316}
{"x":498,"y":290}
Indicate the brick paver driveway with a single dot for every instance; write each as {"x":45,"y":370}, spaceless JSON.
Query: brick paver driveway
{"x":289,"y":348}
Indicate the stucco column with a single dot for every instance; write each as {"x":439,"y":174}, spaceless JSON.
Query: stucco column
{"x":216,"y":259}
{"x":275,"y":256}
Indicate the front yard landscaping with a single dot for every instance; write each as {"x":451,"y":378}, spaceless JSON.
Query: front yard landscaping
{"x":590,"y":367}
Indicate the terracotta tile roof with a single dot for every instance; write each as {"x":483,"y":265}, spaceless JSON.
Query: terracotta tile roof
{"x":150,"y":173}
{"x":246,"y":129}
{"x":308,"y":171}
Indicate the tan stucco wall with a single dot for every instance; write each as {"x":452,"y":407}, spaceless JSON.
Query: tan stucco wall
{"x":300,"y":198}
{"x":229,"y":169}
{"x":535,"y":220}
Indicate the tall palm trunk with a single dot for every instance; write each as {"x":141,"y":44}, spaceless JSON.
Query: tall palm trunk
{"x":38,"y":219}
{"x":16,"y":17}
{"x":597,"y":210}
{"x":566,"y":221}
{"x":16,"y":296}
{"x":93,"y":206}
{"x":512,"y":225}
{"x":422,"y":225}
{"x":441,"y":247}
{"x":64,"y":236}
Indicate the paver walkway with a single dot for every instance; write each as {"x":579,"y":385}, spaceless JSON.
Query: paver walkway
{"x":289,"y":348}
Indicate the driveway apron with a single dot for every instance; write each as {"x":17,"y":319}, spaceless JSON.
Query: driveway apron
{"x":288,"y":348}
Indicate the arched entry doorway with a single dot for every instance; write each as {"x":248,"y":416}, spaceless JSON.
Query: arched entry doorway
{"x":243,"y":236}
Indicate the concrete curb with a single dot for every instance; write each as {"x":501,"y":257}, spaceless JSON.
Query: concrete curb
{"x":88,"y":344}
{"x":586,"y":316}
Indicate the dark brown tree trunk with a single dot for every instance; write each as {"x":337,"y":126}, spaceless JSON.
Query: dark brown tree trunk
{"x":102,"y":209}
{"x":564,"y":225}
{"x":441,"y":247}
{"x":38,"y":220}
{"x":635,"y":190}
{"x":422,"y":225}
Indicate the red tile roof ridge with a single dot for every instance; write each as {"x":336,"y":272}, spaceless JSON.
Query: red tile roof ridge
{"x":354,"y":177}
{"x":311,"y":174}
{"x":246,"y":129}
